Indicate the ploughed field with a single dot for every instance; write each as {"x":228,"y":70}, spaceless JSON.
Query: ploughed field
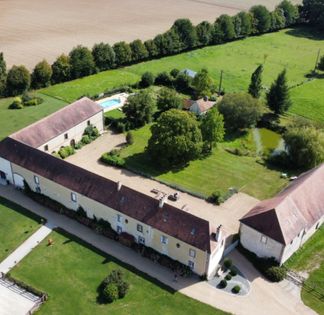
{"x":70,"y":272}
{"x":33,"y":30}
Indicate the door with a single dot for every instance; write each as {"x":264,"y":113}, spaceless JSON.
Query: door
{"x":3,"y":175}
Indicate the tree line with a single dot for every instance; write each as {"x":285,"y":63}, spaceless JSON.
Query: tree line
{"x":182,"y":36}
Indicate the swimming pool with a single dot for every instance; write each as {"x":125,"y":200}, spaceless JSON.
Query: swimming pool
{"x":110,"y":103}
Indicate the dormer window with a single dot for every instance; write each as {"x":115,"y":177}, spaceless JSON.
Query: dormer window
{"x":73,"y":197}
{"x":192,"y":253}
{"x":46,"y":147}
{"x":164,"y":239}
{"x":264,"y":239}
{"x":36,"y":180}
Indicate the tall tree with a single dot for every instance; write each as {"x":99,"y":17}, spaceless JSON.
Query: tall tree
{"x":320,"y":65}
{"x":176,"y":138}
{"x":139,"y":108}
{"x":240,"y":111}
{"x":226,"y":27}
{"x":3,"y":75}
{"x":41,"y":76}
{"x":187,"y":33}
{"x":104,"y":56}
{"x":204,"y":32}
{"x":305,"y":146}
{"x":202,"y":84}
{"x":278,"y":97}
{"x":168,"y":99}
{"x":139,"y":51}
{"x":82,"y":63}
{"x":278,"y":20}
{"x":261,"y":19}
{"x":151,"y":48}
{"x":290,"y":12}
{"x":256,"y":82}
{"x":243,"y":24}
{"x":212,"y":128}
{"x":18,"y":80}
{"x":61,"y":69}
{"x":313,"y":12}
{"x":123,"y":53}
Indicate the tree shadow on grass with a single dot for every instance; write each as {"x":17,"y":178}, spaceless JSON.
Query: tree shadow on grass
{"x":15,"y":207}
{"x":306,"y":32}
{"x":110,"y":259}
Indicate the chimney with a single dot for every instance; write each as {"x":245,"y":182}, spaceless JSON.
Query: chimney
{"x":162,"y":201}
{"x":218,"y":235}
{"x":205,"y":98}
{"x":119,"y":185}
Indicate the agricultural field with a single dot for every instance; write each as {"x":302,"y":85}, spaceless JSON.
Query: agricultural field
{"x":16,"y":225}
{"x":220,"y":171}
{"x":238,"y":60}
{"x":72,"y":282}
{"x":310,"y":259}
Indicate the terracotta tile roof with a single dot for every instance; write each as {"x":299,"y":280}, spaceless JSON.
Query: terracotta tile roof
{"x":52,"y":126}
{"x":297,"y":207}
{"x":169,"y":220}
{"x":204,"y":105}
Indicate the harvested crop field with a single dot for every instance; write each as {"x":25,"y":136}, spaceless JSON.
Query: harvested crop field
{"x":33,"y":30}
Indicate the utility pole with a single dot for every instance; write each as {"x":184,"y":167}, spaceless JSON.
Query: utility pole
{"x":220,"y":82}
{"x":318,"y":55}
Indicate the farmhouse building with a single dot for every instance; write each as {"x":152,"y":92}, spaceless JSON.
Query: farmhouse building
{"x":199,"y":107}
{"x":152,"y":222}
{"x":279,"y":226}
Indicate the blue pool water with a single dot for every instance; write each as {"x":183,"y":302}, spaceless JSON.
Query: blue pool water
{"x":110,"y":103}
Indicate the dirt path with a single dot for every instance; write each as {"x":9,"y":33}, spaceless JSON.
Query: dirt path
{"x":33,"y":30}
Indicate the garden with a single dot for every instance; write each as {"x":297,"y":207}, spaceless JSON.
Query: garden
{"x":81,"y":273}
{"x":16,"y":225}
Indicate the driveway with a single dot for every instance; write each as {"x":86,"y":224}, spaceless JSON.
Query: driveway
{"x":227,"y":214}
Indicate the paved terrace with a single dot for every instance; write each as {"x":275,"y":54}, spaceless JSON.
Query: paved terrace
{"x":264,"y":299}
{"x":227,"y":214}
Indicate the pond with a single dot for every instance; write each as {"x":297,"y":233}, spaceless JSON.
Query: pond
{"x":267,"y":141}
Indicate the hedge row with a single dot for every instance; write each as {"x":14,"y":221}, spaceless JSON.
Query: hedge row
{"x":182,"y":36}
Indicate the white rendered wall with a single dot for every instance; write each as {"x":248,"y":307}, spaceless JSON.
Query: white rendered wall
{"x":5,"y":166}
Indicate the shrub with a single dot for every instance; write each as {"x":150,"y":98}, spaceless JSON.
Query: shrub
{"x":79,"y":145}
{"x":228,"y":277}
{"x":216,"y":198}
{"x":223,"y":284}
{"x":64,"y":152}
{"x":85,"y":139}
{"x":236,"y":289}
{"x":228,"y":263}
{"x":163,"y":78}
{"x":233,"y":272}
{"x":16,"y":104}
{"x":113,"y":158}
{"x":120,"y":127}
{"x":276,"y":273}
{"x":147,"y":80}
{"x":92,"y":132}
{"x":174,"y":72}
{"x":129,"y":138}
{"x":110,"y":292}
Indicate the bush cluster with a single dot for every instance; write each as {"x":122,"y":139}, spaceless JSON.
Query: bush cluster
{"x":114,"y":287}
{"x":113,"y":158}
{"x":218,"y":197}
{"x":182,"y":36}
{"x":223,"y":284}
{"x":25,"y":101}
{"x":236,"y":289}
{"x":66,"y":151}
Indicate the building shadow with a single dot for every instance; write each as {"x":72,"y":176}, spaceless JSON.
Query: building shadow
{"x":306,"y":32}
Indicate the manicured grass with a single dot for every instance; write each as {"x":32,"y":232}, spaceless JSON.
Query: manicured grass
{"x":220,"y":171}
{"x":310,"y":258}
{"x":70,"y":272}
{"x":115,"y":114}
{"x":16,"y":225}
{"x":294,"y":49}
{"x":12,"y":120}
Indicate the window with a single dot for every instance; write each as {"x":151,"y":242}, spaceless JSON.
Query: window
{"x":46,"y":147}
{"x":66,"y":136}
{"x":178,"y":245}
{"x":141,"y":240}
{"x":88,"y":123}
{"x":140,"y":228}
{"x":38,"y":190}
{"x":164,"y":239}
{"x":191,"y":264}
{"x":317,"y":225}
{"x":264,"y":239}
{"x":36,"y":180}
{"x":119,"y":229}
{"x":73,"y":197}
{"x":192,"y":253}
{"x":119,"y":218}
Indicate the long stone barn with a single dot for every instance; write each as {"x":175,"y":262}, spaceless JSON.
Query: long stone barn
{"x":279,"y":226}
{"x":25,"y":156}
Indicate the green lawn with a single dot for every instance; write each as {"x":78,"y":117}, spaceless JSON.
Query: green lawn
{"x":310,"y":258}
{"x":16,"y":225}
{"x":12,"y":120}
{"x":70,"y":272}
{"x":219,"y":171}
{"x":294,"y":49}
